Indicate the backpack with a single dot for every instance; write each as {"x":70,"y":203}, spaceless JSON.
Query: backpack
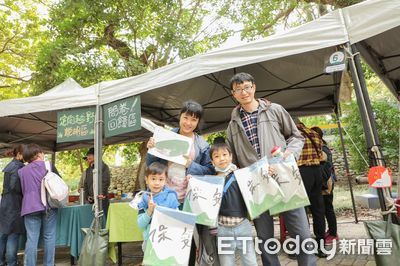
{"x":327,"y":169}
{"x":54,"y":191}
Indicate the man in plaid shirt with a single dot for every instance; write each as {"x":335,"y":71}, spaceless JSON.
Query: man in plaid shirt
{"x":257,"y":125}
{"x":310,"y":170}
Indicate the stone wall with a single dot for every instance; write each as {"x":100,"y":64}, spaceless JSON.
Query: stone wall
{"x":123,"y":179}
{"x":338,"y":162}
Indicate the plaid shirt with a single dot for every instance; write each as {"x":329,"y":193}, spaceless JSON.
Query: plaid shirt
{"x":309,"y":156}
{"x":249,"y":121}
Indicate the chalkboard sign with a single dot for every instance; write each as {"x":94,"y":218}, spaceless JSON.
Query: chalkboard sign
{"x":76,"y":124}
{"x":122,"y":116}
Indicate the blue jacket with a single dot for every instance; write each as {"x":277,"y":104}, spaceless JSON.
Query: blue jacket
{"x":11,"y":202}
{"x":201,"y":165}
{"x":166,"y":198}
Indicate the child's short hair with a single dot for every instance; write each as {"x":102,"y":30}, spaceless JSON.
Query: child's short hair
{"x":156,"y":168}
{"x":219,"y":145}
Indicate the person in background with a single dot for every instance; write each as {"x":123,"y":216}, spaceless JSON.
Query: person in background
{"x":310,"y":171}
{"x":198,"y":163}
{"x":232,"y":219}
{"x":157,"y":194}
{"x":88,"y":182}
{"x":37,"y":217}
{"x":256,"y":126}
{"x":328,"y":179}
{"x":11,"y":222}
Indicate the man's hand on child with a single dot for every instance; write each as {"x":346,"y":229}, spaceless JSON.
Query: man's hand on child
{"x":152,"y":205}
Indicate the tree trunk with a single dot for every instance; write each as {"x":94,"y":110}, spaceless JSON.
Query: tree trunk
{"x":139,"y":182}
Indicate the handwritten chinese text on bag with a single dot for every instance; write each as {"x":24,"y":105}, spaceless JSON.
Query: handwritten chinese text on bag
{"x":203,"y":198}
{"x":260,"y":192}
{"x":170,"y":237}
{"x":287,"y":175}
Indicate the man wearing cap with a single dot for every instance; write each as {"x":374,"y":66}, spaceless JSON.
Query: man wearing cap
{"x":256,"y":126}
{"x":88,"y":183}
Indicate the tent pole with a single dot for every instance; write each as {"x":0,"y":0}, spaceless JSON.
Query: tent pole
{"x":368,"y":121}
{"x":53,"y":158}
{"x":346,"y":165}
{"x":98,"y":143}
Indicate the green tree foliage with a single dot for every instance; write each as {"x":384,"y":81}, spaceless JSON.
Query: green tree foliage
{"x":387,"y":120}
{"x":21,"y":33}
{"x":311,"y":121}
{"x":93,"y":41}
{"x":70,"y":164}
{"x":211,"y":137}
{"x":263,"y":18}
{"x":96,"y":40}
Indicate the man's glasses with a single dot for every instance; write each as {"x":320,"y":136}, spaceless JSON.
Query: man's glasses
{"x":245,"y":89}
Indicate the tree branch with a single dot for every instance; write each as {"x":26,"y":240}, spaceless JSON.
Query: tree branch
{"x":13,"y":77}
{"x":335,"y":3}
{"x":284,"y":14}
{"x":121,"y":47}
{"x":16,"y":53}
{"x":6,"y":43}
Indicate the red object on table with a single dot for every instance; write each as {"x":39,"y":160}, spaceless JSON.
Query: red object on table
{"x":398,"y":207}
{"x":73,"y":198}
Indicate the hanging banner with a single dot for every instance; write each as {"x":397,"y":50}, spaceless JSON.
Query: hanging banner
{"x":75,"y":125}
{"x":171,"y":146}
{"x":170,"y":237}
{"x":260,"y":192}
{"x":122,"y":116}
{"x":203,"y":198}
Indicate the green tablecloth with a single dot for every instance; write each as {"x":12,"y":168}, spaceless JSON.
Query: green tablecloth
{"x":122,"y":226}
{"x":70,"y":220}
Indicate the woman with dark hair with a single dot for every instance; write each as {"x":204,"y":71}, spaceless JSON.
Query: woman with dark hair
{"x":11,"y":222}
{"x":36,"y":215}
{"x":198,"y":163}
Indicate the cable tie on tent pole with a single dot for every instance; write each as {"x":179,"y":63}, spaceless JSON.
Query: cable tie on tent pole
{"x":350,"y":54}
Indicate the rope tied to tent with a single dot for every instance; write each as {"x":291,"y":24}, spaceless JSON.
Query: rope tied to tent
{"x":354,"y":144}
{"x":392,"y":209}
{"x":349,"y":54}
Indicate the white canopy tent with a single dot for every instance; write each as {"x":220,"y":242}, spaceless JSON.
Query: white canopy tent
{"x":288,"y":68}
{"x":34,"y":119}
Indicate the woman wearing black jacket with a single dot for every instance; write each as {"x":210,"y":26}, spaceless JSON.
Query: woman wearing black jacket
{"x":11,"y":223}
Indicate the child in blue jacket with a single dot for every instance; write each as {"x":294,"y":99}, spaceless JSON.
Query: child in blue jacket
{"x":156,"y":194}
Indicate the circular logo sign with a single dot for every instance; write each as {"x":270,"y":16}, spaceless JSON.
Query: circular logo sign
{"x":336,"y":58}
